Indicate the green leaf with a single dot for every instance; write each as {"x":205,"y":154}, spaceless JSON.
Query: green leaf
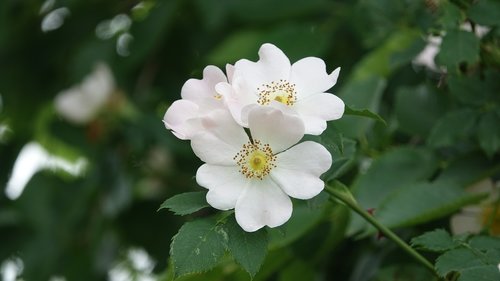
{"x":409,"y":106}
{"x":186,"y":203}
{"x":363,"y":112}
{"x":198,"y":246}
{"x":360,"y":93}
{"x":249,"y":249}
{"x":472,"y":265}
{"x":340,"y":187}
{"x":423,"y":202}
{"x":468,"y":89}
{"x":458,"y":46}
{"x":488,"y":133}
{"x":485,"y":242}
{"x":297,"y":270}
{"x":455,"y":126}
{"x":485,"y":12}
{"x":438,"y":240}
{"x":393,"y":170}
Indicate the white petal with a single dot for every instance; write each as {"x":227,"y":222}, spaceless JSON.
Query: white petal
{"x":213,"y":150}
{"x":229,"y":71}
{"x":298,"y":169}
{"x":177,"y":116}
{"x":220,"y":139}
{"x":272,"y":65}
{"x":225,"y":185}
{"x":235,"y":102}
{"x":262,"y":203}
{"x":318,"y":108}
{"x":75,"y":106}
{"x":204,"y":89}
{"x":275,"y":128}
{"x":310,"y":77}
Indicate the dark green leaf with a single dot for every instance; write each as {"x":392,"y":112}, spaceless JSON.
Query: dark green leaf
{"x":455,"y":126}
{"x":363,"y":112}
{"x":186,"y":203}
{"x":198,"y":246}
{"x":362,"y":93}
{"x":485,"y":242}
{"x":248,"y":248}
{"x":393,"y":170}
{"x":458,"y":46}
{"x":468,"y":90}
{"x":485,"y":12}
{"x":438,"y":240}
{"x":417,"y":109}
{"x":488,"y":133}
{"x":424,"y":202}
{"x":473,"y":265}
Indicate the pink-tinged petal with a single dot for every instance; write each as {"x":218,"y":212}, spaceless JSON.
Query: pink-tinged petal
{"x":199,"y":89}
{"x":310,"y":77}
{"x":220,"y":140}
{"x":212,"y":150}
{"x":272,"y":65}
{"x":229,"y":72}
{"x":298,"y":169}
{"x":275,"y":128}
{"x":225,"y":185}
{"x":235,"y":102}
{"x":262,"y":203}
{"x":177,"y":116}
{"x":318,"y":108}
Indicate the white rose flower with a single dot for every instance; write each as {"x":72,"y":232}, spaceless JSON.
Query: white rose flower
{"x":81,"y":103}
{"x":198,"y":99}
{"x":256,"y":174}
{"x":298,"y":89}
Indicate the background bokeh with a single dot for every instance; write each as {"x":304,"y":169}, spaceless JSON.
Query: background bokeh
{"x":81,"y":204}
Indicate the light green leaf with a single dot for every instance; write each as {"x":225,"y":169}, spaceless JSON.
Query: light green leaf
{"x":438,"y":240}
{"x":458,"y":46}
{"x":186,"y":203}
{"x":198,"y":246}
{"x":488,"y":133}
{"x":249,"y":249}
{"x":455,"y":126}
{"x":363,"y":112}
{"x":485,"y":12}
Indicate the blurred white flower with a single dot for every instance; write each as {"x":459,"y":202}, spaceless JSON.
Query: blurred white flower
{"x":81,"y":103}
{"x":137,"y":266}
{"x":428,"y":54}
{"x":198,"y":99}
{"x":298,"y":88}
{"x":256,"y":174}
{"x":54,"y":19}
{"x":476,"y":218}
{"x":34,"y":158}
{"x":11,"y":269}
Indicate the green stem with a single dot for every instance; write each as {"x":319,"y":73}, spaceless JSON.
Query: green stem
{"x":386,"y":231}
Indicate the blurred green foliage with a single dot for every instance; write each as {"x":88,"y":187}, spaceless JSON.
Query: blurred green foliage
{"x":442,"y":132}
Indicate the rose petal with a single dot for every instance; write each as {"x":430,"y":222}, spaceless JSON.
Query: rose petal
{"x":310,"y":77}
{"x":318,"y":108}
{"x":225,"y":185}
{"x":177,"y":116}
{"x":204,"y":89}
{"x":262,"y":203}
{"x":272,"y":65}
{"x":298,"y":169}
{"x":275,"y":128}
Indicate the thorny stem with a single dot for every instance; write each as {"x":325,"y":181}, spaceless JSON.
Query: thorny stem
{"x":386,"y":231}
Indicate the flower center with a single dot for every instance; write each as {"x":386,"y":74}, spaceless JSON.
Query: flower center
{"x":280,"y":91}
{"x":256,"y":160}
{"x":217,"y":96}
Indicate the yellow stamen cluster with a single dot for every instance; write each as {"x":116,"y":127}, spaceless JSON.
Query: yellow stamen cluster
{"x":217,"y":96}
{"x":281,"y":91}
{"x":256,"y":160}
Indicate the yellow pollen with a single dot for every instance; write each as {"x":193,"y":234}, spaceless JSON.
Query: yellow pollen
{"x":218,"y":96}
{"x":280,"y":91}
{"x":256,"y":160}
